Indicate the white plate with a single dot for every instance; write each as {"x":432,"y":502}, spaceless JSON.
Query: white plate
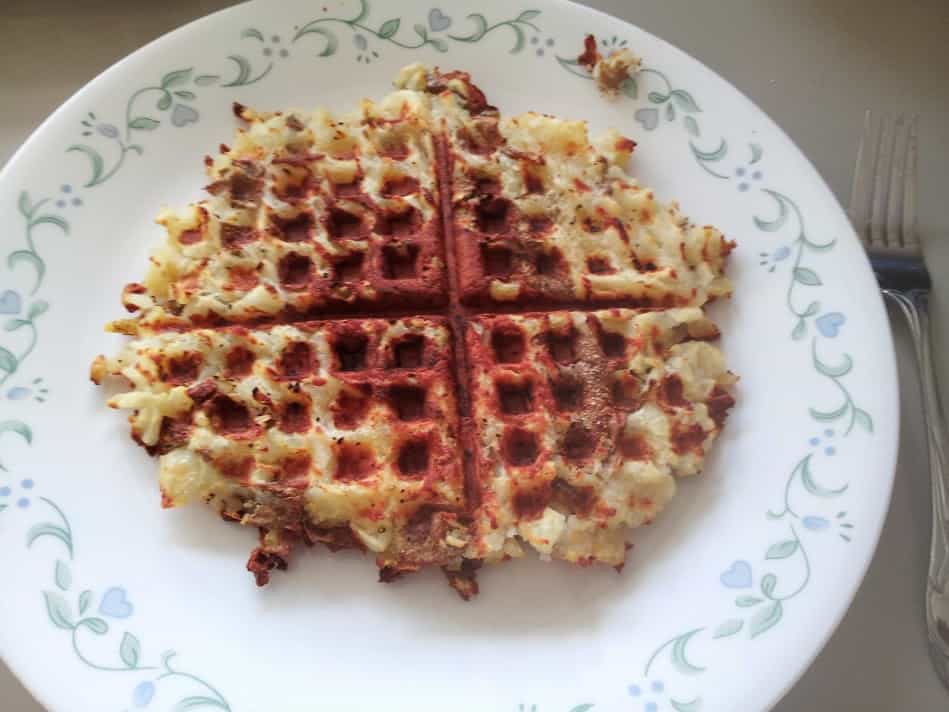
{"x":724,"y":601}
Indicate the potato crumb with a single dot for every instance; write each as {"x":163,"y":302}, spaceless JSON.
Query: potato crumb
{"x":611,"y":71}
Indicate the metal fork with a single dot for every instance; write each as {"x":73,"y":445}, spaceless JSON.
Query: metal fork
{"x":883,"y":211}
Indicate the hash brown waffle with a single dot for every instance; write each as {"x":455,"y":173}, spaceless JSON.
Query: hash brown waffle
{"x":584,"y":419}
{"x":343,"y":432}
{"x":304,"y":401}
{"x":541,"y":214}
{"x":306,"y":213}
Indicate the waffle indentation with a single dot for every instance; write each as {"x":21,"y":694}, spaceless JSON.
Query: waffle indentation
{"x":519,"y":447}
{"x":507,"y":341}
{"x":353,"y":462}
{"x":407,"y":401}
{"x":413,"y":457}
{"x":408,"y":352}
{"x":515,"y":397}
{"x":350,"y":349}
{"x":400,"y":261}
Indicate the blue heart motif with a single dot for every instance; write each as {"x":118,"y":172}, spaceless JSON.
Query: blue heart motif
{"x":115,"y":604}
{"x":649,"y":118}
{"x":10,"y":302}
{"x":738,"y":575}
{"x":829,"y":324}
{"x":437,"y":20}
{"x":182,"y":115}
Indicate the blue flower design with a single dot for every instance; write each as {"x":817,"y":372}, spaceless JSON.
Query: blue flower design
{"x":655,"y":686}
{"x":22,"y":501}
{"x":771,"y":259}
{"x":93,"y":125}
{"x":815,"y":523}
{"x":747,"y":174}
{"x":67,"y":190}
{"x":365,"y":53}
{"x":540,"y":44}
{"x":272,"y":48}
{"x":823,"y":439}
{"x":37,"y":390}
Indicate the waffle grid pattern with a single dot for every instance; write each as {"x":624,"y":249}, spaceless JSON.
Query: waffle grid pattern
{"x":584,"y":419}
{"x":450,"y":439}
{"x":306,"y":214}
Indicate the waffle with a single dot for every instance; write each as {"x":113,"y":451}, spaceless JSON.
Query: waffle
{"x":540,"y":214}
{"x":307,"y":213}
{"x":585,"y":419}
{"x":496,"y":341}
{"x":344,"y":432}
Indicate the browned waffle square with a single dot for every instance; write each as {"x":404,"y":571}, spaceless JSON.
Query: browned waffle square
{"x":344,"y":432}
{"x":583,"y":419}
{"x":541,"y":214}
{"x":307,"y":213}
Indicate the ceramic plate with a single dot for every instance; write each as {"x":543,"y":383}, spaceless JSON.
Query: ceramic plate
{"x":111,"y":603}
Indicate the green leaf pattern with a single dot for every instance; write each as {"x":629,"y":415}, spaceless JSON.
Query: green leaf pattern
{"x":85,"y":598}
{"x":58,"y":610}
{"x":129,"y":656}
{"x":389,"y":28}
{"x":130,"y":650}
{"x":729,"y":628}
{"x":781,"y":550}
{"x":765,"y":619}
{"x":63,"y":575}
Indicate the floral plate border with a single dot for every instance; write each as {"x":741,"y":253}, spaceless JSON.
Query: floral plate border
{"x":808,"y":512}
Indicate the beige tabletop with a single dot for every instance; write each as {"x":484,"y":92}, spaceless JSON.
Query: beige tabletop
{"x":812,"y":65}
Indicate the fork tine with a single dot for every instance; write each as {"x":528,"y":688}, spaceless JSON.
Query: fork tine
{"x":910,"y":234}
{"x":881,"y":175}
{"x":894,"y":203}
{"x":860,"y":188}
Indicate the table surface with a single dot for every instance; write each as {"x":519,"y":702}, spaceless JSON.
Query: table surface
{"x":814,"y":66}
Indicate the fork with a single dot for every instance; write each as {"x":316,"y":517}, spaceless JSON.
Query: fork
{"x":883,"y":212}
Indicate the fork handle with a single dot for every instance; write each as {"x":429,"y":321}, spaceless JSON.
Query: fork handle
{"x":914,"y":304}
